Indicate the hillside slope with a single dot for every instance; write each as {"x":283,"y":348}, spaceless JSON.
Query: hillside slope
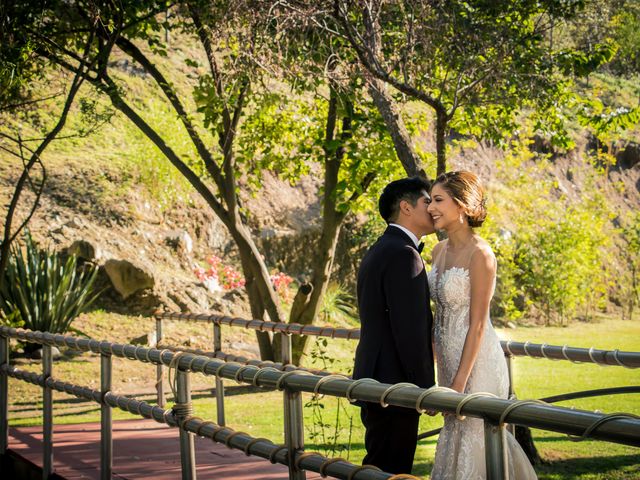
{"x":112,"y":189}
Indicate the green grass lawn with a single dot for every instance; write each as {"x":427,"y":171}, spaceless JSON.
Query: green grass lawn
{"x":260,"y":414}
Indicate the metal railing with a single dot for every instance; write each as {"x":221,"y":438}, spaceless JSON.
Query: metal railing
{"x":618,"y":428}
{"x":511,"y":349}
{"x":528,"y":349}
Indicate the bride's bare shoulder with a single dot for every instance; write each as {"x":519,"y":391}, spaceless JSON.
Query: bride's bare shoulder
{"x":483,"y":252}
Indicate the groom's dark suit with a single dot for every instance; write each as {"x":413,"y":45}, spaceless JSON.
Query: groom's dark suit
{"x":395,"y":344}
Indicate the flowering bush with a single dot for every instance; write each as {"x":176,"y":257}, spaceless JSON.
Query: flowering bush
{"x":281,"y":282}
{"x":219,"y":276}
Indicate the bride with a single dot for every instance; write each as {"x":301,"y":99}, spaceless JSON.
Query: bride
{"x":468,"y":353}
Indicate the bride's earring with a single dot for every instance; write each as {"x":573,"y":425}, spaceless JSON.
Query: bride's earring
{"x":461,"y":218}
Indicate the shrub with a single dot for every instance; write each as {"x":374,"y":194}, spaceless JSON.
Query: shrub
{"x":44,"y":292}
{"x":553,"y":250}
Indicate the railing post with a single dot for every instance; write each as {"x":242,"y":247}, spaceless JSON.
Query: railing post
{"x":293,"y":417}
{"x":217,"y":347}
{"x":495,"y":453}
{"x":511,"y":393}
{"x":106,"y":440}
{"x":509,"y":359}
{"x":47,"y":414}
{"x":187,"y":450}
{"x":4,"y":395}
{"x":160,"y":367}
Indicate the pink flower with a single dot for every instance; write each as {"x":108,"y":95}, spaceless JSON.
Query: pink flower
{"x":224,"y":275}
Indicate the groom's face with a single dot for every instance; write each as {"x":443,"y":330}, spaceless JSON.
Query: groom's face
{"x":420,"y":218}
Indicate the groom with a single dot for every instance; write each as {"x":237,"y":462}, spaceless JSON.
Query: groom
{"x":395,"y":334}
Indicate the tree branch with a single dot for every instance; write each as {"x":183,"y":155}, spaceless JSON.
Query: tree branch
{"x":134,"y":52}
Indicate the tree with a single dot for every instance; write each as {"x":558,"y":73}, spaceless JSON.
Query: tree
{"x":18,"y":65}
{"x":233,"y":96}
{"x":473,"y":61}
{"x":350,"y":139}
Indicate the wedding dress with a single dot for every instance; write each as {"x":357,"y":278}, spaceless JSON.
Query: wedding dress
{"x":460,"y":453}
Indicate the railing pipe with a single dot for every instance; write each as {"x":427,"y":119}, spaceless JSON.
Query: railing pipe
{"x":264,"y":326}
{"x":231,"y":358}
{"x":573,"y":354}
{"x":552,"y":352}
{"x":160,"y":367}
{"x":623,"y":430}
{"x":217,"y":348}
{"x":47,"y":414}
{"x":293,"y":416}
{"x":4,"y":395}
{"x":106,"y":440}
{"x":495,"y":452}
{"x":187,"y":448}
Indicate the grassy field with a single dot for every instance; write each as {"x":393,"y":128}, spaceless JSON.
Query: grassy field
{"x":562,"y":458}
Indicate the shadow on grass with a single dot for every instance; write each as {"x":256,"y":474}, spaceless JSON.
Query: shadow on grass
{"x":606,"y":467}
{"x":35,"y":409}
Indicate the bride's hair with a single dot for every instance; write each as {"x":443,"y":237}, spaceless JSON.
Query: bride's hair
{"x":467,"y":191}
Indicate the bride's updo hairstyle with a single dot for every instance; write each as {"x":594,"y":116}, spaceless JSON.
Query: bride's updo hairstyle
{"x":467,"y":191}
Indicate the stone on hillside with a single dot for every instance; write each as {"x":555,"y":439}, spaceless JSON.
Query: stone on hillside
{"x":630,"y":156}
{"x":511,"y":325}
{"x":75,"y":222}
{"x":55,"y":353}
{"x":85,"y":250}
{"x":180,"y":240}
{"x":541,"y":144}
{"x":148,"y":339}
{"x":128,"y":278}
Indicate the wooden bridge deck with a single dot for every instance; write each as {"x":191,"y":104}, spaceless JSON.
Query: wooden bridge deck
{"x":141,"y":449}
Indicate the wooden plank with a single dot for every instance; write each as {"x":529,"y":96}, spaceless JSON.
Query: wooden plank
{"x":141,"y":449}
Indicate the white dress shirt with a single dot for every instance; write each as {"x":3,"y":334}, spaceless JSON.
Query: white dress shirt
{"x":415,"y":239}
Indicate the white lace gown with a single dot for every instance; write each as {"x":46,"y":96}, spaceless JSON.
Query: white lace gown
{"x":460,"y":450}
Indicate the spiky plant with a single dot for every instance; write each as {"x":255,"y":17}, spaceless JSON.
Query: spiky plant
{"x":338,"y":307}
{"x":44,"y":292}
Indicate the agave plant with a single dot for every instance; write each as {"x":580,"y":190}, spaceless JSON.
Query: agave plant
{"x":44,"y":292}
{"x":338,"y":307}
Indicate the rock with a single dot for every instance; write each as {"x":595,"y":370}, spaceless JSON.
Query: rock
{"x":84,"y":249}
{"x":148,"y":339}
{"x":511,"y":325}
{"x":75,"y":222}
{"x":541,"y":144}
{"x":630,"y":156}
{"x":180,"y":240}
{"x":128,"y":278}
{"x":55,"y":353}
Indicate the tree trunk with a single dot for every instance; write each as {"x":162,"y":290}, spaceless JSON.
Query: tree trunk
{"x":442,"y":123}
{"x":524,"y":438}
{"x":35,"y":158}
{"x":331,"y":223}
{"x":395,"y":125}
{"x":262,"y":297}
{"x":321,"y":275}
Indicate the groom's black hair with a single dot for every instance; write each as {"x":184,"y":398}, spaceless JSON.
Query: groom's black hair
{"x":410,"y":189}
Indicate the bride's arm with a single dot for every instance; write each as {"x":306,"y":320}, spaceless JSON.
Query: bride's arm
{"x":482,"y":272}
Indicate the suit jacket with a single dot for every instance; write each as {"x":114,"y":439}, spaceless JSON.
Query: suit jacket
{"x":393,"y":302}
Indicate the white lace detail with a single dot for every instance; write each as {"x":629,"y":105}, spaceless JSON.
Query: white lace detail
{"x":460,"y":450}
